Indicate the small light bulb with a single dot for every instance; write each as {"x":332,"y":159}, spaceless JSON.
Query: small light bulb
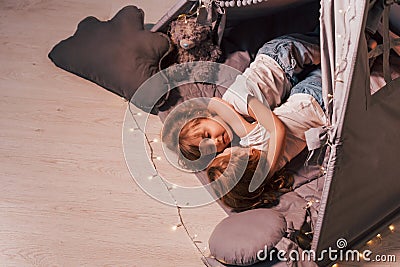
{"x":391,"y":228}
{"x":155,"y":140}
{"x":379,"y":236}
{"x":176,"y":227}
{"x":131,"y":129}
{"x":370,"y":242}
{"x":335,"y":265}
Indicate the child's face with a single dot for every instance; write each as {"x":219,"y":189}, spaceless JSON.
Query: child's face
{"x":215,"y":130}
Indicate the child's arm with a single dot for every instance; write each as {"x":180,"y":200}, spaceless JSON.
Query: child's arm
{"x":235,"y":120}
{"x":273,"y":124}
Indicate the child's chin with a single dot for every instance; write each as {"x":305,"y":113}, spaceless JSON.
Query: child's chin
{"x":228,"y":145}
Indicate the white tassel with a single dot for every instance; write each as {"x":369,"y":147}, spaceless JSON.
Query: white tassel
{"x":239,"y":3}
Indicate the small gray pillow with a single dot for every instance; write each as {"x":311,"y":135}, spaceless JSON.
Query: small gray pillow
{"x":237,"y":238}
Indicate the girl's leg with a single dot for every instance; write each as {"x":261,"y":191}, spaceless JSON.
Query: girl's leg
{"x":301,"y":112}
{"x":311,"y":85}
{"x":296,"y":54}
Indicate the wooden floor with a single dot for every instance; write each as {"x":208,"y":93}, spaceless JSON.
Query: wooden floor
{"x":66,"y":195}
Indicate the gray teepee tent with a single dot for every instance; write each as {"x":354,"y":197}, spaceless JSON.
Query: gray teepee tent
{"x":362,"y":188}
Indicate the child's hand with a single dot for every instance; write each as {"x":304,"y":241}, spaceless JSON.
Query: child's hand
{"x":274,"y":125}
{"x":228,"y":114}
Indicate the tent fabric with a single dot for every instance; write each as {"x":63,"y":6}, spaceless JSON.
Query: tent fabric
{"x":361,"y":188}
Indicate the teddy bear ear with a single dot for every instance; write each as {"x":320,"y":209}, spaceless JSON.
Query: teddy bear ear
{"x":172,"y":26}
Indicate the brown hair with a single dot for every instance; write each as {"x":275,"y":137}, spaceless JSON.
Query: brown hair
{"x":228,"y":169}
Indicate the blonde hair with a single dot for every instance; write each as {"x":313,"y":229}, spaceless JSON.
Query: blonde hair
{"x":189,"y":132}
{"x":180,"y":128}
{"x":228,"y":169}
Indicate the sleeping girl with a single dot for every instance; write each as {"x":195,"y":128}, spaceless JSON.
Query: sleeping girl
{"x":268,"y":81}
{"x":289,"y":122}
{"x":276,"y":136}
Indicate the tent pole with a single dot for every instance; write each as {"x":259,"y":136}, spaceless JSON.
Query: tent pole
{"x":386,"y":44}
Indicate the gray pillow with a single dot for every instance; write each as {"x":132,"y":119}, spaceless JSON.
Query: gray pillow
{"x":237,"y":239}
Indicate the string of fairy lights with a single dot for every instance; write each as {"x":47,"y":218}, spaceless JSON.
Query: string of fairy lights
{"x":374,"y":242}
{"x":152,"y":158}
{"x":169,"y":188}
{"x":193,"y":238}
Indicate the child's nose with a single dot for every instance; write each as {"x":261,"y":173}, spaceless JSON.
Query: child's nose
{"x":215,"y":141}
{"x":217,"y":144}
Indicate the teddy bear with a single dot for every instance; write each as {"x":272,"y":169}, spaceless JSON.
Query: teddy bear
{"x":193,"y":42}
